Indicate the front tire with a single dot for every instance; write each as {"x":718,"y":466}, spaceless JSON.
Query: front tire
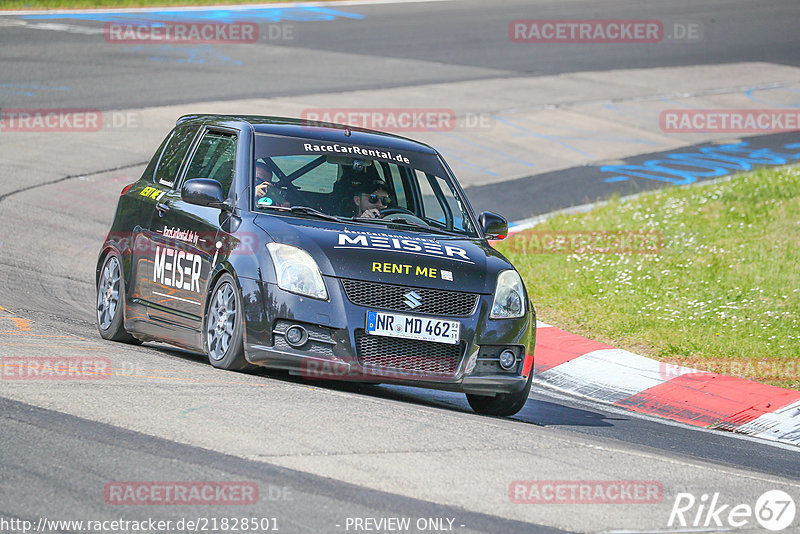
{"x":502,"y":404}
{"x":111,"y":302}
{"x":223,"y":327}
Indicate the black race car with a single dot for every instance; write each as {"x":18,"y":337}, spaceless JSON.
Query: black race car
{"x":328,"y":251}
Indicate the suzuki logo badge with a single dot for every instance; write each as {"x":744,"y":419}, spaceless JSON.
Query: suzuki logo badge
{"x":413,"y":300}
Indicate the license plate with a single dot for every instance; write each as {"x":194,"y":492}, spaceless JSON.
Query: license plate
{"x":410,"y":327}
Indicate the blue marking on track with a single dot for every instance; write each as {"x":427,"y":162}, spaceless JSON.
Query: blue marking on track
{"x":29,"y":89}
{"x":212,"y":14}
{"x":749,"y":94}
{"x":707,"y":162}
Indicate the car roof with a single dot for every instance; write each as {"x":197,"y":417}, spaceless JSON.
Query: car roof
{"x":306,"y":129}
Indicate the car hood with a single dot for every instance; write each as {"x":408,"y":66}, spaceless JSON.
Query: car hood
{"x":381,"y":254}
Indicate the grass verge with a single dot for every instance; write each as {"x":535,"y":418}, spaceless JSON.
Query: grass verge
{"x":720,"y":295}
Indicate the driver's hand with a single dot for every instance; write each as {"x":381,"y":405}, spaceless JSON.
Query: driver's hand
{"x":262,"y":188}
{"x":372,"y":213}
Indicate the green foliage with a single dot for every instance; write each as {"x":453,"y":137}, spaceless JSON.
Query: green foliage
{"x":721,"y":295}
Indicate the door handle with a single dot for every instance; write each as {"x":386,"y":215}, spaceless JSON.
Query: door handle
{"x":162,"y":208}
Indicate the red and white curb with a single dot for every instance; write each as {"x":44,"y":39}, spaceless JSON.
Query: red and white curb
{"x":599,"y":372}
{"x":602,"y":373}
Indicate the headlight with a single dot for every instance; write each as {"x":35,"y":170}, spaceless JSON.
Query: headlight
{"x":297,"y":271}
{"x":509,"y":300}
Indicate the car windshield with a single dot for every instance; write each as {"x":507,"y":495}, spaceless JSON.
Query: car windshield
{"x":370,"y":189}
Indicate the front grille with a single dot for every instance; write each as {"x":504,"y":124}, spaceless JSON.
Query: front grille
{"x":390,"y":297}
{"x":408,"y":356}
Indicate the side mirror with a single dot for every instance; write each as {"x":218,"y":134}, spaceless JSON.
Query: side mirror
{"x":494,"y":226}
{"x":203,"y":192}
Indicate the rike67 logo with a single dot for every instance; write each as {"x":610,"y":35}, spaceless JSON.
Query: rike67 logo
{"x":774,"y":510}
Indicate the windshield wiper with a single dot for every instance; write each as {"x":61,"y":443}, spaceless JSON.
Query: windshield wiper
{"x":426,"y":227}
{"x":306,"y":210}
{"x":399,"y":221}
{"x":406,"y":222}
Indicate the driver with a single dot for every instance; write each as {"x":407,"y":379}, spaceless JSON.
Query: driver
{"x":370,"y":197}
{"x":266,"y":192}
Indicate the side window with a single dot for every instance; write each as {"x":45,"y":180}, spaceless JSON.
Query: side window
{"x":440,"y":202}
{"x":173,"y":154}
{"x":215,"y":158}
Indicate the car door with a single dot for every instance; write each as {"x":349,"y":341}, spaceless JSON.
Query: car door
{"x":184,"y":243}
{"x":159,"y":178}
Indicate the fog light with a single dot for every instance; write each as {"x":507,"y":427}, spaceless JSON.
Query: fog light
{"x":296,"y":336}
{"x":507,"y":359}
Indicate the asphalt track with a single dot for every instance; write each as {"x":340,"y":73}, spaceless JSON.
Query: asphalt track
{"x":322,"y":453}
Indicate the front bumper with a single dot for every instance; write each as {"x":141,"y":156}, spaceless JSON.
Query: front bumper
{"x":337,"y":348}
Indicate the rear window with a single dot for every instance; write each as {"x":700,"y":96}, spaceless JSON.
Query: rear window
{"x":169,"y":164}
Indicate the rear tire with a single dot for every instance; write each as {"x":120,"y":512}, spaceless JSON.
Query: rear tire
{"x":502,"y":404}
{"x":223,"y":327}
{"x":111,"y":302}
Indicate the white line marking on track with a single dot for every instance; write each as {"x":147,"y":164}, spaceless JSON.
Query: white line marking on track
{"x":589,"y":402}
{"x":57,"y":27}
